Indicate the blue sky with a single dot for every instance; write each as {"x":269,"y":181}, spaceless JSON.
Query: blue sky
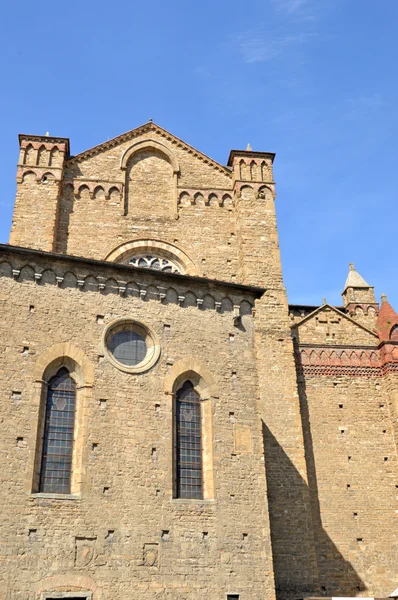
{"x":314,"y":81}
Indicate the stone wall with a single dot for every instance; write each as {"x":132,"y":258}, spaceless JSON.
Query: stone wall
{"x":124,"y":530}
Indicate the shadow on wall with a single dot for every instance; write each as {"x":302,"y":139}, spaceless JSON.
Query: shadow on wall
{"x":302,"y":569}
{"x":65,"y":210}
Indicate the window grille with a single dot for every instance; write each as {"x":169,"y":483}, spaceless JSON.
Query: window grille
{"x":128,"y":347}
{"x":56,"y":464}
{"x":188,"y":443}
{"x":153,"y":262}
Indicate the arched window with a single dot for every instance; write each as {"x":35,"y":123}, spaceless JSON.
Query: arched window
{"x":155,"y":262}
{"x":188,"y":460}
{"x":56,"y":460}
{"x":394,"y":334}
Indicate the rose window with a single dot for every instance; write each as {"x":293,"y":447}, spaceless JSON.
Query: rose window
{"x":153,"y":262}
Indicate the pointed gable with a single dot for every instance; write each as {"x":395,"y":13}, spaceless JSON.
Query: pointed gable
{"x":327,"y":325}
{"x":195,"y":168}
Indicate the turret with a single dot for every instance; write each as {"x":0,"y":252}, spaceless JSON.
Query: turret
{"x":359,"y":299}
{"x":39,"y":180}
{"x":254,"y":191}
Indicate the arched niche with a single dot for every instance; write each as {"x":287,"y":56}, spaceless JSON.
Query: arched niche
{"x":151,"y":171}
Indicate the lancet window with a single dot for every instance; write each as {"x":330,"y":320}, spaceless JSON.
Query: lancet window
{"x":56,"y":460}
{"x":189,"y":476}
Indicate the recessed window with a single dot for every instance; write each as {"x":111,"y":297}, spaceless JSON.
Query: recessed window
{"x":56,"y":461}
{"x":131,"y":346}
{"x":189,"y":443}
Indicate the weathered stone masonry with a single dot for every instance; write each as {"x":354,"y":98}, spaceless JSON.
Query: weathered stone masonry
{"x":298,"y":404}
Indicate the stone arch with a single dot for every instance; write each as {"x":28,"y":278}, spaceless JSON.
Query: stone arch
{"x":154,"y":247}
{"x":42,"y":156}
{"x":226,"y":200}
{"x":185,"y":199}
{"x":29,"y":156}
{"x":246,"y":192}
{"x":243,"y":170}
{"x":47,"y":176}
{"x":99,"y":192}
{"x":146,"y":195}
{"x":199,"y":199}
{"x":194,"y":370}
{"x":54,"y":156}
{"x":150,"y":145}
{"x":28,"y":176}
{"x":83,"y":190}
{"x":70,"y":581}
{"x":253,"y":170}
{"x":114,"y":193}
{"x":68,"y":355}
{"x":213,"y":200}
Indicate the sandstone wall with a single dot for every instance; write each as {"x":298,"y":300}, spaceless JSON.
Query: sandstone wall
{"x":124,"y":535}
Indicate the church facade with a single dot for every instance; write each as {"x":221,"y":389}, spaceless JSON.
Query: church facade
{"x":172,"y":427}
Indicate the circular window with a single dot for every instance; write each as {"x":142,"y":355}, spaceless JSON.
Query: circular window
{"x":131,"y":346}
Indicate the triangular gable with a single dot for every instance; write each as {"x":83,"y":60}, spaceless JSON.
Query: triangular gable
{"x":339,"y":313}
{"x":148,"y":127}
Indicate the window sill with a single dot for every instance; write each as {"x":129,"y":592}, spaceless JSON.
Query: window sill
{"x":192,"y":501}
{"x":56,"y":496}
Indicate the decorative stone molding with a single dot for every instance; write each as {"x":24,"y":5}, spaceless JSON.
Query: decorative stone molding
{"x":194,"y":370}
{"x":149,"y":144}
{"x":148,"y":128}
{"x":153,"y":247}
{"x":212,"y":198}
{"x":187,"y":295}
{"x":96,"y":189}
{"x":151,"y":340}
{"x":61,"y":355}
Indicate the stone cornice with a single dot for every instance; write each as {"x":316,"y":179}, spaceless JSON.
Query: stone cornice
{"x":109,"y":277}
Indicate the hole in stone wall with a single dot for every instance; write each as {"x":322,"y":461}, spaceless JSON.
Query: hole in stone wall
{"x":157,"y":407}
{"x":20,"y":442}
{"x":165,"y":534}
{"x":340,"y":405}
{"x":110,"y":535}
{"x":100,"y":319}
{"x":31,"y":308}
{"x":25,"y":350}
{"x":94,"y":446}
{"x":16,"y":395}
{"x":205,"y":535}
{"x":106,"y":490}
{"x":102,"y":403}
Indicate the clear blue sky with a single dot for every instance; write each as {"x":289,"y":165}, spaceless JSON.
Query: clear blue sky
{"x":313,"y":80}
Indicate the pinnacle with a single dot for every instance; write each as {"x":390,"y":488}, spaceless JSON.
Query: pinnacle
{"x":354,"y":279}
